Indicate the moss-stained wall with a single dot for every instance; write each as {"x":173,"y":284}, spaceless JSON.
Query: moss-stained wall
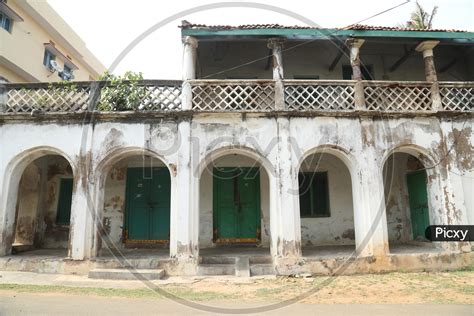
{"x":396,"y":196}
{"x":38,"y":202}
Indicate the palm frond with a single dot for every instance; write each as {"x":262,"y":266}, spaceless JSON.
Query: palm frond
{"x":433,"y":13}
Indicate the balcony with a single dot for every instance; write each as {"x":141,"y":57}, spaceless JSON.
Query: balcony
{"x":238,"y":96}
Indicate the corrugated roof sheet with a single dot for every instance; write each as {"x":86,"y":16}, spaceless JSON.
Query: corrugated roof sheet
{"x":358,"y":27}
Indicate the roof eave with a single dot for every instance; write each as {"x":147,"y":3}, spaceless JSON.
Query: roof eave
{"x":327,"y":33}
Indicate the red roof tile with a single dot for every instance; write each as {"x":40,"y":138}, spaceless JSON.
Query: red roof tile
{"x":362,"y":27}
{"x":187,"y":25}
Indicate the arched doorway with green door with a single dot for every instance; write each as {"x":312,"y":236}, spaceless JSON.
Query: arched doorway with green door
{"x":234,"y":206}
{"x":137,"y":202}
{"x":407,"y":204}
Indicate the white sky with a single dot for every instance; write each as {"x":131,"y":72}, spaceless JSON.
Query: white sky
{"x":108,"y":26}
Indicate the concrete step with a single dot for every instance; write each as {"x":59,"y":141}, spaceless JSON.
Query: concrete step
{"x":137,"y":263}
{"x":216,"y":269}
{"x":242,"y":267}
{"x":261,"y":260}
{"x":262,"y":269}
{"x":216,"y":260}
{"x":124,"y":274}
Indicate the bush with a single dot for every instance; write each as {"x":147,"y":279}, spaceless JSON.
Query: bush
{"x":121,"y":93}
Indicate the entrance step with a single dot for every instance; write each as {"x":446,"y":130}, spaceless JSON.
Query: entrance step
{"x":261,"y":260}
{"x":125,"y":274}
{"x":217,"y":260}
{"x":242,"y":267}
{"x":216,"y":269}
{"x":262,"y":269}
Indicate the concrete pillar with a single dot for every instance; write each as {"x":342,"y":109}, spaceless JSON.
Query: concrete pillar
{"x":287,"y":242}
{"x":276,"y":45}
{"x":81,"y":226}
{"x":190,"y":45}
{"x":370,"y":221}
{"x":426,"y":48}
{"x":7,"y":211}
{"x":184,"y":204}
{"x":3,"y":97}
{"x":83,"y":209}
{"x":354,"y":45}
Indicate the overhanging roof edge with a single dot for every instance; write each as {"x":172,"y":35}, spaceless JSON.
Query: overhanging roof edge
{"x":324,"y":33}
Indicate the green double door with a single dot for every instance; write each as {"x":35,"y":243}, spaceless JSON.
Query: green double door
{"x":418,"y":200}
{"x":147,"y":214}
{"x":236,"y":205}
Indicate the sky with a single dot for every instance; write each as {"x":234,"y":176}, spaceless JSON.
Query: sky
{"x":108,"y":26}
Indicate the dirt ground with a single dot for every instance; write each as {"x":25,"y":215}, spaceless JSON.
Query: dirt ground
{"x":394,"y":288}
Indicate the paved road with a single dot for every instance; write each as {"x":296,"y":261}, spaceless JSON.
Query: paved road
{"x":57,"y":304}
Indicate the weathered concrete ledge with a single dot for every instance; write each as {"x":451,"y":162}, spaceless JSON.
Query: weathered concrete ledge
{"x":406,"y":262}
{"x":66,"y":118}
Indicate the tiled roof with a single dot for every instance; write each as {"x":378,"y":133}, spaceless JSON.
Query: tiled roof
{"x":186,"y":25}
{"x":358,"y":27}
{"x":361,"y":27}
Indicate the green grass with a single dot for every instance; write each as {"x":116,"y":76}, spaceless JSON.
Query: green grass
{"x":180,"y":292}
{"x":429,"y":286}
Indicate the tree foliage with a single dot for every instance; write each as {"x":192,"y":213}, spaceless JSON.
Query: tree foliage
{"x":420,"y":19}
{"x":121,"y":93}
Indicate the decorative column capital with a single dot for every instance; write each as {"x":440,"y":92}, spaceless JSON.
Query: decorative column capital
{"x":275,"y":42}
{"x":191,"y":41}
{"x":355,"y":42}
{"x":426,"y":47}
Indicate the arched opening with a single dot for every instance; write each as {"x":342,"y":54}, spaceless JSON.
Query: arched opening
{"x":326,"y":206}
{"x":234,"y":206}
{"x":135,"y":216}
{"x":43,"y":207}
{"x":407,"y":205}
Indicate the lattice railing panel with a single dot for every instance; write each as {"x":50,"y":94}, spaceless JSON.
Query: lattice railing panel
{"x":457,"y":98}
{"x":161,"y":98}
{"x":230,"y":96}
{"x":319,"y":97}
{"x":396,"y":97}
{"x":47,"y":99}
{"x":142,"y":96}
{"x":146,"y":95}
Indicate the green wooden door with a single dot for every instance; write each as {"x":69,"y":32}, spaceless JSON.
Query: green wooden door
{"x":418,"y":200}
{"x":236,"y":205}
{"x":63,"y":215}
{"x":160,"y":202}
{"x":148,"y":204}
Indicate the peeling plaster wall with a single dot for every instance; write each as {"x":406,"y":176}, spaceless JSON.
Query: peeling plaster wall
{"x":54,"y":236}
{"x":206,"y":198}
{"x":27,"y":206}
{"x":114,"y":197}
{"x":396,"y":196}
{"x":338,"y":229}
{"x":362,"y":144}
{"x":461,"y":135}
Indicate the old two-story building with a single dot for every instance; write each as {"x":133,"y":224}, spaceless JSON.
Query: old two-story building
{"x":34,"y":38}
{"x":283,"y":150}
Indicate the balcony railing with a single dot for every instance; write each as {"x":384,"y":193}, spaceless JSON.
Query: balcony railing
{"x":237,"y":96}
{"x":319,"y":95}
{"x":233,"y":95}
